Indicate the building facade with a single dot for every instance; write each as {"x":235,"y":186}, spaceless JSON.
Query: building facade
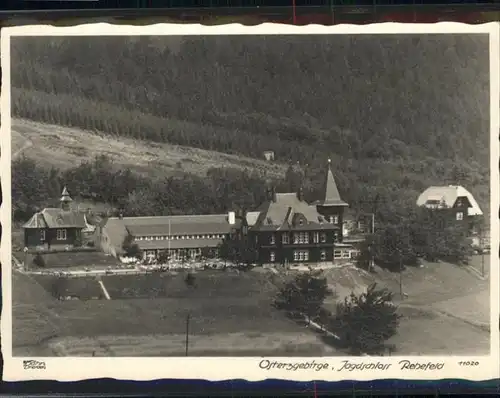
{"x":460,"y":205}
{"x":173,"y":237}
{"x":288,"y":230}
{"x":54,"y":228}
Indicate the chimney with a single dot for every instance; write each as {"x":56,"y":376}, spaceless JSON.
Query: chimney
{"x":300,"y":194}
{"x":271,"y":194}
{"x":231,"y":216}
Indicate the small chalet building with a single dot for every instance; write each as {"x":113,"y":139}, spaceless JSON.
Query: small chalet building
{"x":456,"y":200}
{"x":178,"y":236}
{"x":288,"y":230}
{"x":56,"y":228}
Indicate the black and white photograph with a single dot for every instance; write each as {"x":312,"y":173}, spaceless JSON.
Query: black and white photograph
{"x":253,"y":195}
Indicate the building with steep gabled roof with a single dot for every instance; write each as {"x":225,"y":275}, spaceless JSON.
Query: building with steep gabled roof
{"x":289,"y":230}
{"x":450,"y":196}
{"x":55,"y":227}
{"x":456,"y":201}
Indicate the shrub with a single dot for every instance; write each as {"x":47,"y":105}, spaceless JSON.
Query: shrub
{"x":364,"y":323}
{"x":39,"y":261}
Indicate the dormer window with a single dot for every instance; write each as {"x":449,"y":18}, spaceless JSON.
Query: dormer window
{"x":433,"y":203}
{"x":460,"y":216}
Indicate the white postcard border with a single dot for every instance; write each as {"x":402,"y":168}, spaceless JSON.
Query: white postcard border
{"x":251,"y":368}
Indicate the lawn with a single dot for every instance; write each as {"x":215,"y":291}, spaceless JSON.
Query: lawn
{"x":445,"y":299}
{"x":229,"y":315}
{"x":209,"y":284}
{"x":282,"y":343}
{"x":75,"y":259}
{"x":427,"y":285}
{"x":426,"y":333}
{"x":86,"y":288}
{"x":33,"y":319}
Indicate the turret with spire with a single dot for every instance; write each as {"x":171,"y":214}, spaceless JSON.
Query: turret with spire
{"x":65,"y":200}
{"x":331,"y":195}
{"x":331,"y":206}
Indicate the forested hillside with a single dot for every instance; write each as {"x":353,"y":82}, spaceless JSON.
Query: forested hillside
{"x":395,"y":114}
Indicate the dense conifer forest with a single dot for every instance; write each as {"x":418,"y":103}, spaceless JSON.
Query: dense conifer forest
{"x":395,"y":114}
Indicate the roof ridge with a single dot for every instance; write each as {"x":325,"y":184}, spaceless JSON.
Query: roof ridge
{"x":173,"y":216}
{"x":447,"y":186}
{"x":60,"y":210}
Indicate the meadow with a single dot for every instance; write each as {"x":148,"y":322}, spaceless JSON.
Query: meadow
{"x":64,"y":147}
{"x":231,"y":314}
{"x":228,"y":315}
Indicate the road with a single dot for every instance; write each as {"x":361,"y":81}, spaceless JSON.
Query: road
{"x":480,"y":262}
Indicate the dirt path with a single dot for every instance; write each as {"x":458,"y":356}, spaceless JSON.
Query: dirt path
{"x":26,"y":145}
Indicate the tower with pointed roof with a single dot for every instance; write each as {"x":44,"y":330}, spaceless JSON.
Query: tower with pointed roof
{"x":331,"y":206}
{"x":65,"y":200}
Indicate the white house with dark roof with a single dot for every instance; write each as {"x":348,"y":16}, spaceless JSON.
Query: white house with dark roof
{"x":455,"y":199}
{"x":450,"y":196}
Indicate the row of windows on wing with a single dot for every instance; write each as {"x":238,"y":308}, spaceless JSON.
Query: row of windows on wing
{"x":303,"y":255}
{"x":61,"y":234}
{"x":176,"y":254}
{"x":176,"y":237}
{"x":299,"y":238}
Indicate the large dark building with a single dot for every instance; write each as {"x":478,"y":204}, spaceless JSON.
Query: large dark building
{"x":288,"y":230}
